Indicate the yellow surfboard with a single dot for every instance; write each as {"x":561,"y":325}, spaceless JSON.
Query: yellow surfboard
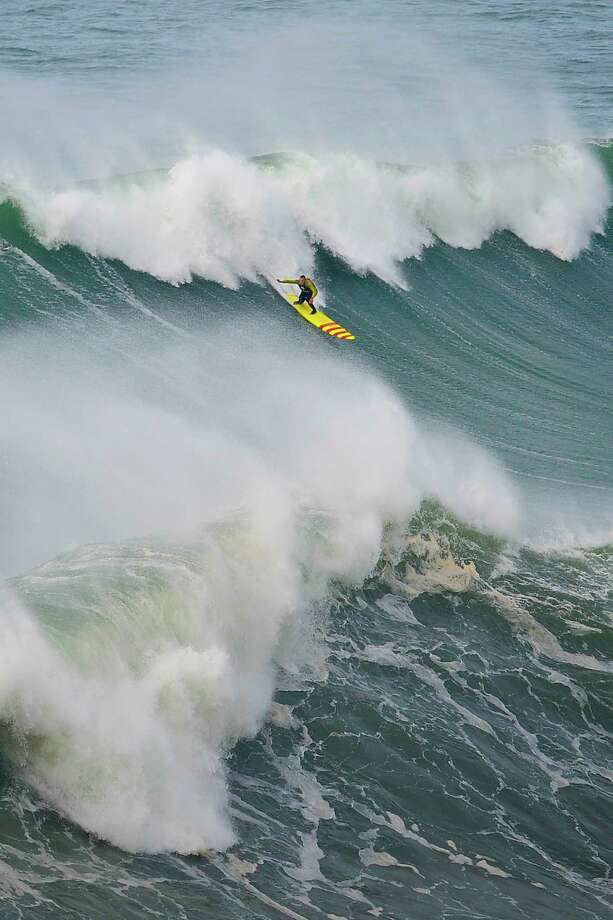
{"x":319,"y":319}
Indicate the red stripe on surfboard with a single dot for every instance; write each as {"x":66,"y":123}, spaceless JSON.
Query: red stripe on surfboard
{"x":336,"y":330}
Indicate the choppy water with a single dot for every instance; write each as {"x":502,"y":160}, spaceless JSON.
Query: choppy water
{"x":292,"y":627}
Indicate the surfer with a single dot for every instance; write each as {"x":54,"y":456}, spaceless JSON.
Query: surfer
{"x":308,"y":290}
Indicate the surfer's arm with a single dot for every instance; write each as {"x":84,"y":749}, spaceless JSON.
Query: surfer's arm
{"x":287,"y":280}
{"x":311,"y":287}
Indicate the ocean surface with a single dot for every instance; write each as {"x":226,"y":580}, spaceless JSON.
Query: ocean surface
{"x":294,"y":627}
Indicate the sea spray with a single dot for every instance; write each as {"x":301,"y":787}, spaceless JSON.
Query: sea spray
{"x":129,"y":667}
{"x":227,"y":219}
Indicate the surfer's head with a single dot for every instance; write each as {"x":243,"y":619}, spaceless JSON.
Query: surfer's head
{"x":301,"y":277}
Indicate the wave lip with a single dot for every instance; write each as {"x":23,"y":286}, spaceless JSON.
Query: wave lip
{"x":226,"y":219}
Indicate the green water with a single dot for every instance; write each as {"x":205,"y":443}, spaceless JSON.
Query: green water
{"x":290,"y":626}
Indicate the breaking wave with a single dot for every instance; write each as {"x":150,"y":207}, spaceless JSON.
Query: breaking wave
{"x":225,"y":218}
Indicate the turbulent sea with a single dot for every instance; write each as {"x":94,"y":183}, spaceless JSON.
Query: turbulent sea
{"x":294,"y":627}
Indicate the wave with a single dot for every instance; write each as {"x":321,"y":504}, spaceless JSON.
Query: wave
{"x":128,"y":667}
{"x":228,"y":219}
{"x":207,"y":524}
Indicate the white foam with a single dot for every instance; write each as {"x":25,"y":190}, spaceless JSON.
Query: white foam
{"x":223,"y":218}
{"x":491,"y":870}
{"x":158,"y":654}
{"x":542,"y":640}
{"x":438,"y":570}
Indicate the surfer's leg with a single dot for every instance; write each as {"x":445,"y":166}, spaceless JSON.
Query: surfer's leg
{"x":312,"y":306}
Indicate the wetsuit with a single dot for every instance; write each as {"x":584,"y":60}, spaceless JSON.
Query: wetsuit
{"x":308,"y":291}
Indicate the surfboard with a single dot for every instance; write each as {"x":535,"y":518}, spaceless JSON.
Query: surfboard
{"x":320,"y":319}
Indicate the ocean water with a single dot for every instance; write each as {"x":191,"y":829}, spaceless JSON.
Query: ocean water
{"x":292,"y":627}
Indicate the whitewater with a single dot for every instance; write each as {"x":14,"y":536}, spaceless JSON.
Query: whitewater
{"x":226,"y":219}
{"x":272,"y":502}
{"x":291,"y":627}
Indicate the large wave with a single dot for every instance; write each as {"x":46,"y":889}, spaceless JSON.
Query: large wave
{"x":226,"y":218}
{"x":128,"y":667}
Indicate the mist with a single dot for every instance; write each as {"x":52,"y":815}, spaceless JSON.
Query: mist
{"x":202,"y":500}
{"x":405,"y":95}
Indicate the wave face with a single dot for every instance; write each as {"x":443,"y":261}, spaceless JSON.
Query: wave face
{"x":288,"y":626}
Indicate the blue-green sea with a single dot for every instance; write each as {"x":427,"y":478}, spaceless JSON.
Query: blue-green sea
{"x":292,"y":626}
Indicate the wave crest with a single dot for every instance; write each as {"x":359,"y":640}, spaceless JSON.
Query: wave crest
{"x":225,"y":219}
